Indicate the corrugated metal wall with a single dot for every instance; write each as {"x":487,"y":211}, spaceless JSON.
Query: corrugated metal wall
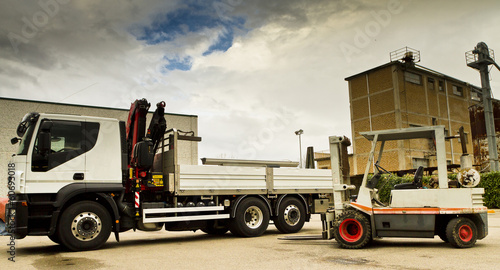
{"x":478,"y":130}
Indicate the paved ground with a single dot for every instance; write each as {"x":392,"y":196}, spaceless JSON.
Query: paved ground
{"x":188,"y":250}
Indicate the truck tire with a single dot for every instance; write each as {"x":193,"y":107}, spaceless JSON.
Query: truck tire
{"x":461,"y":232}
{"x":211,"y":228}
{"x":251,"y":218}
{"x":291,"y":215}
{"x":85,"y":225}
{"x":352,"y":229}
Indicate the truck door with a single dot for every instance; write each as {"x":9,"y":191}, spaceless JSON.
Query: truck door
{"x":58,"y":155}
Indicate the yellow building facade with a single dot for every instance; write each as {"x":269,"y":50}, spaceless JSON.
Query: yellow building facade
{"x":400,"y":95}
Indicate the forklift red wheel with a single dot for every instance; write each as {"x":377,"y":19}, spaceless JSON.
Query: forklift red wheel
{"x":461,"y":232}
{"x":352,"y":229}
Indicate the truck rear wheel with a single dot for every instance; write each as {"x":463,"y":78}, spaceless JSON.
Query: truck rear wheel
{"x":291,"y":216}
{"x":84,"y":225}
{"x":352,"y":229}
{"x":461,"y":232}
{"x":251,"y":218}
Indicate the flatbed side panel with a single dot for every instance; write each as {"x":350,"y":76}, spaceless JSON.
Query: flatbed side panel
{"x":221,"y":179}
{"x":300,"y":179}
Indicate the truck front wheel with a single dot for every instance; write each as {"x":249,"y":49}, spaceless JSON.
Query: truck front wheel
{"x":291,"y":216}
{"x":251,"y":218}
{"x":84,"y":225}
{"x":352,"y":229}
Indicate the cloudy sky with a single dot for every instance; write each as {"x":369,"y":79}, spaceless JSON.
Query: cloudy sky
{"x":254,"y":71}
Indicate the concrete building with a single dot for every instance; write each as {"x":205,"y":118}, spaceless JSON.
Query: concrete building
{"x":402,"y":94}
{"x":13,"y":110}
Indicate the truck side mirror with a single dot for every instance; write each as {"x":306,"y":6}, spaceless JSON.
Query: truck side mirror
{"x":14,"y":140}
{"x":44,"y":138}
{"x":21,"y":129}
{"x":44,"y":142}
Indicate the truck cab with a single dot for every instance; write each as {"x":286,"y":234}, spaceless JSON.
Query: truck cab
{"x":58,"y":156}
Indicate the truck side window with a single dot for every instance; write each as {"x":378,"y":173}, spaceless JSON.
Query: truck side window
{"x":68,"y":139}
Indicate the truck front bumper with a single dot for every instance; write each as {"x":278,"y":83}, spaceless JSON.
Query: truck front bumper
{"x":16,"y":218}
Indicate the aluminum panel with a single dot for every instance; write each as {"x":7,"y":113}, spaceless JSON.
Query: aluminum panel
{"x":194,"y":177}
{"x":294,"y":178}
{"x":185,"y":218}
{"x":182,"y":209}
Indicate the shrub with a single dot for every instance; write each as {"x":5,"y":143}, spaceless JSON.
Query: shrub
{"x":491,"y":184}
{"x":387,"y":182}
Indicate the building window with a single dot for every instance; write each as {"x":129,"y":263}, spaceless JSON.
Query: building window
{"x":417,"y":162}
{"x":458,"y":91}
{"x":441,"y":86}
{"x":475,"y":96}
{"x":430,"y":83}
{"x":413,"y":78}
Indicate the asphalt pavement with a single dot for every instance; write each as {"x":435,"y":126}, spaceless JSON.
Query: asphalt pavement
{"x":197,"y":250}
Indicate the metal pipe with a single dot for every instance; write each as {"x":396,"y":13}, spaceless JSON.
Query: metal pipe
{"x":123,"y":207}
{"x":299,"y":133}
{"x":250,"y":163}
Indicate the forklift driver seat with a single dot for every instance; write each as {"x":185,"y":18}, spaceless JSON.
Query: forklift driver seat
{"x":417,"y":181}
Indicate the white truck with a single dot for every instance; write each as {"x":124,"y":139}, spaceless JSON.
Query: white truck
{"x":76,"y":179}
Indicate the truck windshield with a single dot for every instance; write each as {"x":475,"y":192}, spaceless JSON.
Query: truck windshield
{"x":25,"y":131}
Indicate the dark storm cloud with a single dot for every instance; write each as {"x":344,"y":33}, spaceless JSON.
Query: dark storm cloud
{"x":288,"y":13}
{"x":226,"y":58}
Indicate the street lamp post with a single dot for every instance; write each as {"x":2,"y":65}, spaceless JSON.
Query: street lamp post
{"x":299,"y":133}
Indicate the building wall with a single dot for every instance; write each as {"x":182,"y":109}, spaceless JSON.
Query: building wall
{"x":399,"y":96}
{"x":13,"y":110}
